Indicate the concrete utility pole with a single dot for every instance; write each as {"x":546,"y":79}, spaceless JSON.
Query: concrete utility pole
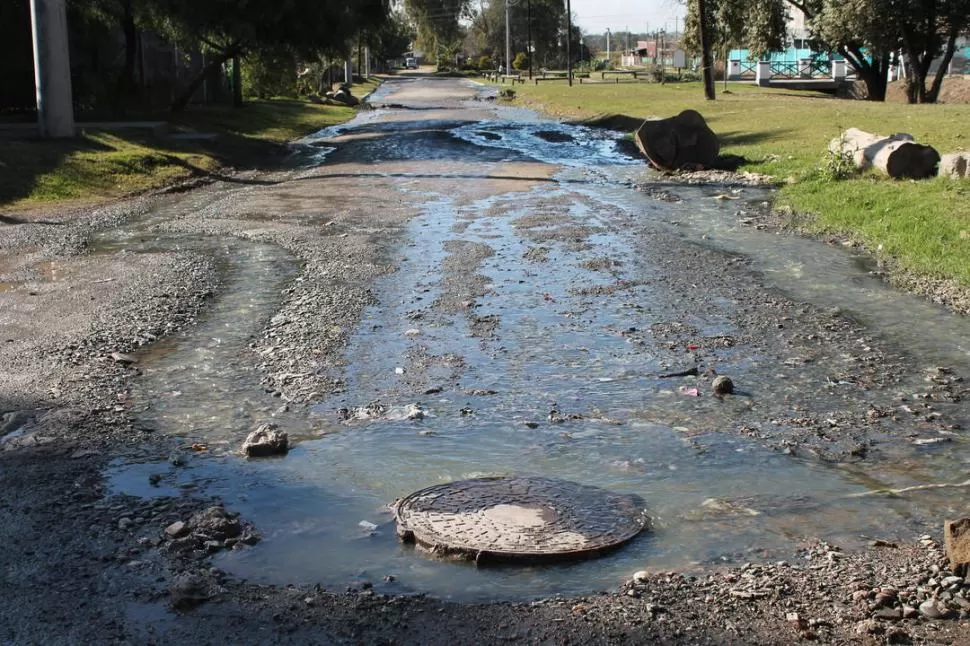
{"x":52,"y":68}
{"x":607,"y":45}
{"x":508,"y":44}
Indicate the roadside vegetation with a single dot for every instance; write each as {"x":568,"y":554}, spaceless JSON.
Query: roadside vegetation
{"x":923,"y":225}
{"x":103,"y":165}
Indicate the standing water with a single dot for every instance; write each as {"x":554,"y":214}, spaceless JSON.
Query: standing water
{"x":505,"y":343}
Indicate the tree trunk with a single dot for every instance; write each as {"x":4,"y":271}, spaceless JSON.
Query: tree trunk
{"x":126,"y":81}
{"x":237,"y":97}
{"x":707,"y":62}
{"x":183,"y":99}
{"x":896,"y":155}
{"x":951,"y":42}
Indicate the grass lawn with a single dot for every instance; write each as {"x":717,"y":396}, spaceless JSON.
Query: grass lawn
{"x":104,"y":165}
{"x":924,"y":225}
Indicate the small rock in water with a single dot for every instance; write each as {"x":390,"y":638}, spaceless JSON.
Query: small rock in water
{"x":120,"y":357}
{"x":266,"y":440}
{"x":640,"y":576}
{"x":722,"y":385}
{"x":366,"y":524}
{"x":176,"y":529}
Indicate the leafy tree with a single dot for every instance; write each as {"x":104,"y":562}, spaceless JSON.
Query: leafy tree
{"x":866,"y":32}
{"x":758,"y":25}
{"x":860,"y":31}
{"x":229,"y":29}
{"x":437,"y":21}
{"x":392,"y":39}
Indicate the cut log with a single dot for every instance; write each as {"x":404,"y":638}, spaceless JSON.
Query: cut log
{"x":684,"y":141}
{"x":955,"y":165}
{"x":897,"y":155}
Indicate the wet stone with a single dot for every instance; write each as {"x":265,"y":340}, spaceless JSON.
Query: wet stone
{"x":722,"y":385}
{"x":519,"y":518}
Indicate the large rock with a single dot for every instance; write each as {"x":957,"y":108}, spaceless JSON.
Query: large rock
{"x":956,"y":540}
{"x":266,"y":440}
{"x":684,"y":141}
{"x":954,"y":165}
{"x":214,"y":522}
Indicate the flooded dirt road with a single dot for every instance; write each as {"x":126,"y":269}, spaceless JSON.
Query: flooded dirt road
{"x":444,"y":288}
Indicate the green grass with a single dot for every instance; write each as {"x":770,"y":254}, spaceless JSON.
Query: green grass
{"x":103,"y":165}
{"x":924,"y":225}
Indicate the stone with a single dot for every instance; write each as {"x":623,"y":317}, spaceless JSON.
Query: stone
{"x":888,"y":613}
{"x":869,"y":627}
{"x":722,"y":385}
{"x":954,"y":165}
{"x":188,"y":590}
{"x":640,"y":576}
{"x":956,"y":541}
{"x":929,"y":609}
{"x":885,"y":599}
{"x":216,"y":523}
{"x":124,"y":522}
{"x":122,"y":358}
{"x":176,"y":529}
{"x":266,"y":440}
{"x":909,"y":612}
{"x":683,"y":141}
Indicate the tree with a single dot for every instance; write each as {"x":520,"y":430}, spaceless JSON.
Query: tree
{"x":229,"y":29}
{"x":929,"y":29}
{"x":757,"y":25}
{"x":703,"y":23}
{"x":392,"y":39}
{"x":867,"y":32}
{"x":862,"y":31}
{"x":437,"y":21}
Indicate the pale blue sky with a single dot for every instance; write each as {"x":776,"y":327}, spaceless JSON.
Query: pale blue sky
{"x":594,"y":16}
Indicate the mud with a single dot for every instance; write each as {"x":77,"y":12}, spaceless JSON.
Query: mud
{"x":84,"y":564}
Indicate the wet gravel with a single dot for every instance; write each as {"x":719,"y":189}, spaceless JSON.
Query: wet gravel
{"x":81,"y":566}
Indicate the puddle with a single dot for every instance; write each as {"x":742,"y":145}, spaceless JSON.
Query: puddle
{"x":538,"y":374}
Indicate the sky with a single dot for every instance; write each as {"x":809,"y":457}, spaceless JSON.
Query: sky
{"x":595,"y":16}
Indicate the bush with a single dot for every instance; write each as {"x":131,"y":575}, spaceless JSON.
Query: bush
{"x":485,"y":63}
{"x":837,"y":164}
{"x":521,"y":61}
{"x":269,"y":74}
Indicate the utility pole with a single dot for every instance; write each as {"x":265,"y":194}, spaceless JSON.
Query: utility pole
{"x":607,"y":44}
{"x":569,"y":37}
{"x":52,"y":68}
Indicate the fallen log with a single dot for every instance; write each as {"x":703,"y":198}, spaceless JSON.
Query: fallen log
{"x":896,"y":155}
{"x":684,"y":141}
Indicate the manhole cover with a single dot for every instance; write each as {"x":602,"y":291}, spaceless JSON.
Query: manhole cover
{"x":519,"y":518}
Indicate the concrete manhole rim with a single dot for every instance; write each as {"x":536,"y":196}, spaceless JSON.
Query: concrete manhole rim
{"x":615,"y":520}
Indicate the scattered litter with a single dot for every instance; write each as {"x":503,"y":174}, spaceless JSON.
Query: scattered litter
{"x":366,"y":524}
{"x":199,"y":447}
{"x":693,"y":346}
{"x":399,"y":371}
{"x":723,"y":196}
{"x":412,"y":332}
{"x":690,"y":392}
{"x":120,"y":357}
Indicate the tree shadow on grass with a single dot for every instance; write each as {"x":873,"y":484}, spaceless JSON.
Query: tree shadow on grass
{"x":23,"y":161}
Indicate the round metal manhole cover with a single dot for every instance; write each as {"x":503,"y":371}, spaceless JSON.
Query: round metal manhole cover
{"x":519,"y":518}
